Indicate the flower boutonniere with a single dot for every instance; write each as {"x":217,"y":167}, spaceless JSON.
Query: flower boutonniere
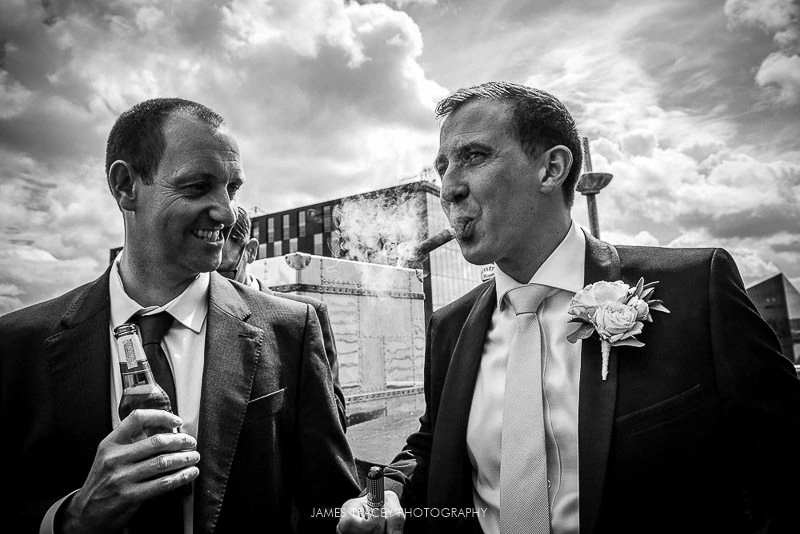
{"x":615,"y":311}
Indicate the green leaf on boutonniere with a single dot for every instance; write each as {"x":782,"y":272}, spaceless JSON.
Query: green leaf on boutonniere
{"x":650,"y":284}
{"x":586,"y":330}
{"x":639,"y":287}
{"x":659,"y":307}
{"x":647,"y":292}
{"x":630,"y":342}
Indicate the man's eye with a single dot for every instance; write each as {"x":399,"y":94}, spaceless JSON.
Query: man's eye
{"x":232,"y":189}
{"x":196,"y":188}
{"x":441,"y":169}
{"x":475,"y":158}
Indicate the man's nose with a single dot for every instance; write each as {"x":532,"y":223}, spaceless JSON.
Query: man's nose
{"x":223,"y":209}
{"x":454,"y":188}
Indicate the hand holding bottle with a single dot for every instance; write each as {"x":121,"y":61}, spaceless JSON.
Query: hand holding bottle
{"x":140,"y":459}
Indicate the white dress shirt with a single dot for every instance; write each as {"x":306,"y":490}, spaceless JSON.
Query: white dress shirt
{"x":563,"y":270}
{"x":184,"y":344}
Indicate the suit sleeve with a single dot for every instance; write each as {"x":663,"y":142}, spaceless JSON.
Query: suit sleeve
{"x":760,"y":397}
{"x":333,"y":361}
{"x":326,"y":470}
{"x":407,"y":474}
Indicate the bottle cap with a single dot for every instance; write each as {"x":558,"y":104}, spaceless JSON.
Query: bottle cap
{"x":125,"y":329}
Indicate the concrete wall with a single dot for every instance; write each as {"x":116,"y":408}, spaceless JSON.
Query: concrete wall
{"x":378,"y":319}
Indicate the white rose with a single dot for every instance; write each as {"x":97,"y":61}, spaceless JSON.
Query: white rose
{"x":589,"y":298}
{"x":615,"y":321}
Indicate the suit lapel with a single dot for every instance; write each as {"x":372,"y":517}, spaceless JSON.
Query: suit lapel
{"x":450,"y":438}
{"x":78,"y":356}
{"x":597,"y":398}
{"x":231,"y":359}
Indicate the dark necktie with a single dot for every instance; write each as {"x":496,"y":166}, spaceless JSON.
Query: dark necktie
{"x":153,"y":328}
{"x":163,"y":513}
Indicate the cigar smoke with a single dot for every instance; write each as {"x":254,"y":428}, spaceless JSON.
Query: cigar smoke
{"x":386,"y":230}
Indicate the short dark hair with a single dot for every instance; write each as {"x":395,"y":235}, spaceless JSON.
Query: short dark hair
{"x":241,"y":228}
{"x":539,"y":121}
{"x":137,"y":136}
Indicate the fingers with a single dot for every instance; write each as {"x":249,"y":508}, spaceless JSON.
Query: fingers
{"x":357,"y":517}
{"x":395,"y":516}
{"x":164,"y":464}
{"x":161,"y":485}
{"x":160,"y":444}
{"x":144,"y":422}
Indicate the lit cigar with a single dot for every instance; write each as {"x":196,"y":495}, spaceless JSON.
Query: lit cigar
{"x":375,"y":488}
{"x":435,"y":241}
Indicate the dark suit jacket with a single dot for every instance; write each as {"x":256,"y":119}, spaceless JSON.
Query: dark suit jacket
{"x":269,"y":435}
{"x":704,"y":417}
{"x":327,"y":338}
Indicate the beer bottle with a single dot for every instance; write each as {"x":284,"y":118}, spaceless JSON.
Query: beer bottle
{"x":139,"y":387}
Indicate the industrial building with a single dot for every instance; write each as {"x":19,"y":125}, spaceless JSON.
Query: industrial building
{"x":778,"y":302}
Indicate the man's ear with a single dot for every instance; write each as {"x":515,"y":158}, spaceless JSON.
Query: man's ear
{"x":556,"y":163}
{"x":123,"y":184}
{"x":251,"y":250}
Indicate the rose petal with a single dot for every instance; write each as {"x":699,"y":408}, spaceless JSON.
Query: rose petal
{"x":609,"y":291}
{"x":637,"y":329}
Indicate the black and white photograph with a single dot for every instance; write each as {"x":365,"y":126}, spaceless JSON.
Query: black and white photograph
{"x":366,"y":266}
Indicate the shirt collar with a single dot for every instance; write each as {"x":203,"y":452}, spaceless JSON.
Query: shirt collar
{"x":252,"y":282}
{"x":563,"y":269}
{"x":189,"y":308}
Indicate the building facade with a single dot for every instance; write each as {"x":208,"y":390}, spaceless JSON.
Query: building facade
{"x":778,"y":302}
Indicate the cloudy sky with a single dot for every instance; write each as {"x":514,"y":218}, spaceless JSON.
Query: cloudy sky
{"x":693,"y":106}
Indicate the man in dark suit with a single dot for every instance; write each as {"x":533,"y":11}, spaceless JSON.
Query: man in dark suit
{"x":259,"y":434}
{"x":239,"y":251}
{"x":692,"y":432}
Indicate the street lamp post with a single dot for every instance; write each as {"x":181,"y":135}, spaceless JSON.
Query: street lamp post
{"x":589,"y":184}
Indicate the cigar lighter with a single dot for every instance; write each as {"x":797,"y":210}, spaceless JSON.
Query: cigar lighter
{"x":375,"y":487}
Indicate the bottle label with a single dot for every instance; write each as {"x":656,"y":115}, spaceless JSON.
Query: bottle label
{"x":129,"y":353}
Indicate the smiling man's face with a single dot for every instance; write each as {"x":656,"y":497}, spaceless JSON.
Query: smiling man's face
{"x":182,"y":218}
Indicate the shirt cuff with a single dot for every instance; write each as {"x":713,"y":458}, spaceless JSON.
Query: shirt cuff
{"x":48,"y":524}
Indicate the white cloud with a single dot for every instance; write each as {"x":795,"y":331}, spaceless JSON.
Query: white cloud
{"x":13,"y":96}
{"x":639,"y":142}
{"x":769,"y":15}
{"x":784,"y":72}
{"x":749,"y":257}
{"x":401,"y":4}
{"x":642,"y":238}
{"x":779,"y":73}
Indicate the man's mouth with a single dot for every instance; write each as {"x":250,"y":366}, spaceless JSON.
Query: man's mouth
{"x":210,"y":236}
{"x":463,"y":227}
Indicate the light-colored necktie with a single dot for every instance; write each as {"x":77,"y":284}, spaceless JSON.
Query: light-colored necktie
{"x":524,"y":503}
